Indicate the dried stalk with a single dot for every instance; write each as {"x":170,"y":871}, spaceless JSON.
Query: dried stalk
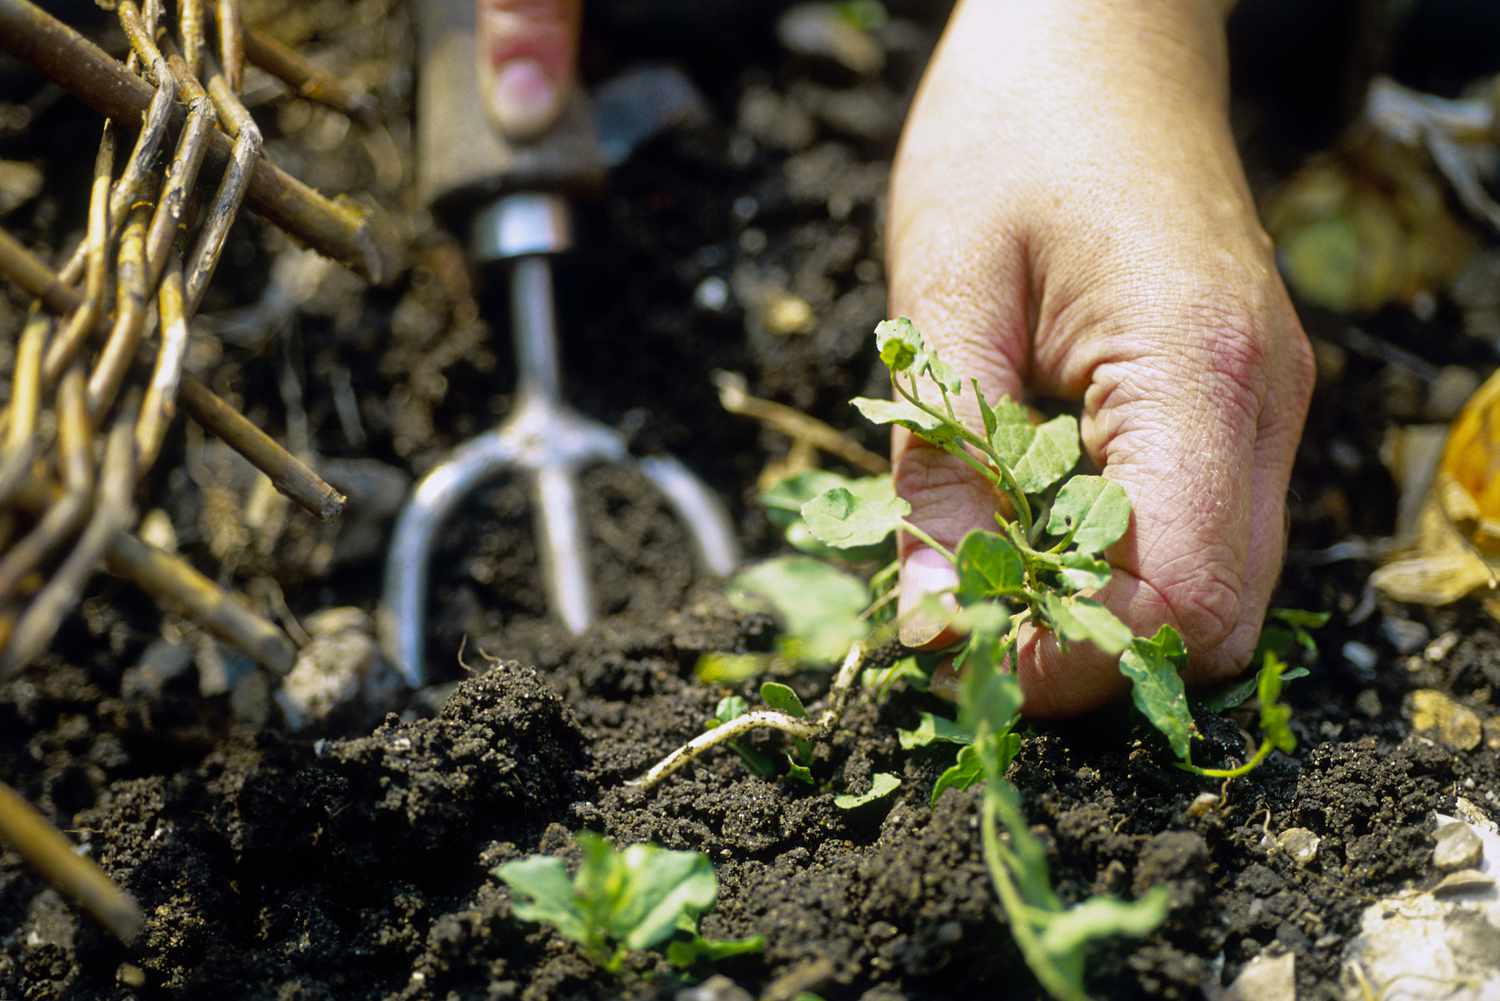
{"x":46,"y":849}
{"x":25,"y":405}
{"x":171,"y":208}
{"x":131,"y":284}
{"x":172,"y":582}
{"x":305,"y":78}
{"x":35,"y":278}
{"x":231,"y":42}
{"x":113,"y":514}
{"x":166,"y":577}
{"x":190,"y":25}
{"x":231,"y":194}
{"x":160,"y":404}
{"x":735,"y":398}
{"x":62,"y":518}
{"x":357,"y":237}
{"x":94,"y":251}
{"x":289,"y":475}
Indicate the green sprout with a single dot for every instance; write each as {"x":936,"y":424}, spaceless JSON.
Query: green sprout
{"x":619,"y":902}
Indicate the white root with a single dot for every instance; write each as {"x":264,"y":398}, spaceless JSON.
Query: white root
{"x":762,"y":719}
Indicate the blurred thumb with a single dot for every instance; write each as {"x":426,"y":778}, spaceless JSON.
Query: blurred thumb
{"x":527,"y":52}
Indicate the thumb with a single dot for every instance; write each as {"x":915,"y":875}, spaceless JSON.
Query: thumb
{"x":527,"y":53}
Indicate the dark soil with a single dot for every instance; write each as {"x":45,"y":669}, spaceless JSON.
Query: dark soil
{"x":354,"y":864}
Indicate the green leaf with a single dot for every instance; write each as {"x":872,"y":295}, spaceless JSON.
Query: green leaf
{"x":783,"y":501}
{"x":1235,"y":694}
{"x":965,"y":771}
{"x":1086,"y":620}
{"x":933,"y":729}
{"x":1275,"y":715}
{"x":989,"y":565}
{"x":882,"y":784}
{"x":799,"y":772}
{"x":730,"y":707}
{"x":843,"y":519}
{"x":699,"y":950}
{"x":1038,"y":455}
{"x":1153,"y":667}
{"x":1095,"y":510}
{"x":900,"y":344}
{"x":818,"y":605}
{"x":541,"y":892}
{"x":1081,"y":572}
{"x":1069,"y":932}
{"x":781,"y":698}
{"x":896,"y":412}
{"x":660,"y":887}
{"x":988,"y":697}
{"x":731,"y":668}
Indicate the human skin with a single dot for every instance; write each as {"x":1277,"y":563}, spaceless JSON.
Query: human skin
{"x":1069,"y":218}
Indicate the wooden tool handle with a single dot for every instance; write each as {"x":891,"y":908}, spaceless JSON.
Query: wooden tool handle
{"x":463,"y":160}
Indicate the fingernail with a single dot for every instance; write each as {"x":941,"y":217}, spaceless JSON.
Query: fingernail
{"x":925,"y":572}
{"x":525,"y":97}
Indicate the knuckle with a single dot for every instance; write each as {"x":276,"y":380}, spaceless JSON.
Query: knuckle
{"x":1205,"y":599}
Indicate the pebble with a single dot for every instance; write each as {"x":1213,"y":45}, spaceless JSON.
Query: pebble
{"x":712,"y":294}
{"x":822,"y":30}
{"x":715,"y":988}
{"x":1360,"y":656}
{"x":338,"y":671}
{"x":1300,"y":844}
{"x":1449,"y":391}
{"x":1463,"y":881}
{"x":1455,"y":725}
{"x":1368,"y":703}
{"x":786,"y":314}
{"x":1404,"y":635}
{"x":1492,"y":733}
{"x":1204,"y":803}
{"x":1458,"y":847}
{"x":130,"y":975}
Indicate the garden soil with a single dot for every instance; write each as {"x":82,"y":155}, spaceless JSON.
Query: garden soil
{"x":355,"y":860}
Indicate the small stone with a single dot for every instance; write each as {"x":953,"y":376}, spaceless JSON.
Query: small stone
{"x":786,"y":314}
{"x":1449,"y":391}
{"x":1492,"y":733}
{"x":1456,"y":726}
{"x":1458,"y":847}
{"x":822,"y":30}
{"x":338,"y":673}
{"x":1360,"y":656}
{"x":715,"y":988}
{"x":1300,"y":844}
{"x":1264,"y":978}
{"x":130,"y":975}
{"x":156,"y":529}
{"x":1441,"y":647}
{"x":1367,"y":702}
{"x":1204,"y":803}
{"x":712,"y":294}
{"x":1463,"y":881}
{"x":1404,"y":635}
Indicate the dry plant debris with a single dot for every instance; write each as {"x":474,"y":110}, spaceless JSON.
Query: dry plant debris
{"x":99,"y":376}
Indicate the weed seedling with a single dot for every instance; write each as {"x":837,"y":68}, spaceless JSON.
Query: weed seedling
{"x":623,"y":901}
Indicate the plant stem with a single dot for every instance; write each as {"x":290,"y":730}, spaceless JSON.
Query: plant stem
{"x":1022,"y":928}
{"x":929,"y":541}
{"x":1261,"y":753}
{"x":762,"y":719}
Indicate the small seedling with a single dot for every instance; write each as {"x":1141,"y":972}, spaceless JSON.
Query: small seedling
{"x":623,"y":901}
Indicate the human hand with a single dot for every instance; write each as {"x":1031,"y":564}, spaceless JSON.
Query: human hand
{"x":527,"y":55}
{"x":1069,"y":216}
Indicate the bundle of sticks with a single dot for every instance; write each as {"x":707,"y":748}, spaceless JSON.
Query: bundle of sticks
{"x":99,"y":375}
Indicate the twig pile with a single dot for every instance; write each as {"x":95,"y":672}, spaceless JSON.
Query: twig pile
{"x":99,"y":375}
{"x":84,"y":361}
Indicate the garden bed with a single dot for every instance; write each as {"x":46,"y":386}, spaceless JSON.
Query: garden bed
{"x":355,"y":861}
